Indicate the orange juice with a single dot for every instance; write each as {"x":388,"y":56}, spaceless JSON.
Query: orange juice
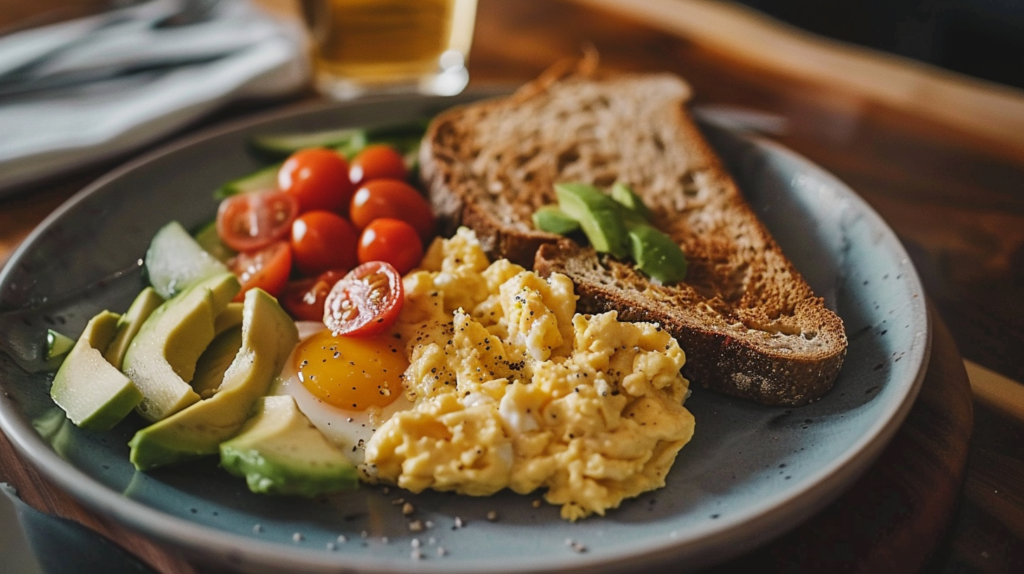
{"x":376,"y":42}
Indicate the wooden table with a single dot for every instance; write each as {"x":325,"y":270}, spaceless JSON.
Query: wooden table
{"x":941,"y":157}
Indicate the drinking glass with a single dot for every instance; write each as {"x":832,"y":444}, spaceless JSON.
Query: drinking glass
{"x":364,"y":47}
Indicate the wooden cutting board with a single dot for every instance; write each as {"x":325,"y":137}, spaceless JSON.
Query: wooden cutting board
{"x":891,"y":520}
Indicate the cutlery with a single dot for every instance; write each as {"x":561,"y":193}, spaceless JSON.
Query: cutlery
{"x":59,"y":81}
{"x":183,"y":13}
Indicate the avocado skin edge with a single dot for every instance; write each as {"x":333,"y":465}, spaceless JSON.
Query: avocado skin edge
{"x":268,"y":476}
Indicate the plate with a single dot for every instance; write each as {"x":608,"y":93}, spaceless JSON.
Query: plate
{"x":750,"y":472}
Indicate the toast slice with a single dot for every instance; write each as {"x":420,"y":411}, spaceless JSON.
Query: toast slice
{"x":749,"y":323}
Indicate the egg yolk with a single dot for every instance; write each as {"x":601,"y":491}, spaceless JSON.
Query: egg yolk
{"x":351,"y":373}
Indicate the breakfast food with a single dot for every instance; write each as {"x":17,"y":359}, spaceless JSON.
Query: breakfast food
{"x":751,"y":324}
{"x":513,"y":389}
{"x":541,"y":348}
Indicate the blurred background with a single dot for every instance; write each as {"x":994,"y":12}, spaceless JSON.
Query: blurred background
{"x":981,"y":38}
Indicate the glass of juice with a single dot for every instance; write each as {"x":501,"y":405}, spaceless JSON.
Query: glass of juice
{"x":362,"y":47}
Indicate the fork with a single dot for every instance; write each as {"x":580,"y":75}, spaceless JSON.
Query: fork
{"x":187,"y":12}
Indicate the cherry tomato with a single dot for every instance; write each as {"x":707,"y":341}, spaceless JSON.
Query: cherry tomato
{"x":267,"y":268}
{"x":317,"y":178}
{"x":393,"y":241}
{"x":250,"y":221}
{"x":322,"y":240}
{"x":377,"y":161}
{"x":366,"y":301}
{"x":396,"y":200}
{"x":304,"y":299}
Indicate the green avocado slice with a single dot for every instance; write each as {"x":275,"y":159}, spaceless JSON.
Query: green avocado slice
{"x":280,"y":452}
{"x":624,"y":194}
{"x":93,"y":393}
{"x":129,"y":324}
{"x":553,"y":220}
{"x":161,"y":359}
{"x":599,"y":215}
{"x":268,"y":336}
{"x":656,"y":254}
{"x":57,"y":345}
{"x":215,"y":361}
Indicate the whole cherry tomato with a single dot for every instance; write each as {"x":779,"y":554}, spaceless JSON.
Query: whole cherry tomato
{"x":393,"y":199}
{"x":377,"y":161}
{"x":251,"y":221}
{"x":267,"y":268}
{"x":322,"y":240}
{"x":304,"y":299}
{"x":366,"y":301}
{"x":317,"y":178}
{"x":393,"y":241}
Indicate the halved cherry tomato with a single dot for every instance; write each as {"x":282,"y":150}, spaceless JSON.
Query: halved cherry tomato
{"x":317,"y":178}
{"x":304,"y":299}
{"x":322,"y":240}
{"x":393,"y":199}
{"x":366,"y":301}
{"x":267,"y":268}
{"x":393,"y":241}
{"x":377,"y":161}
{"x":250,"y":221}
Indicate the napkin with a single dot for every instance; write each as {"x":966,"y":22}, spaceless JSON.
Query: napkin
{"x":240,"y":51}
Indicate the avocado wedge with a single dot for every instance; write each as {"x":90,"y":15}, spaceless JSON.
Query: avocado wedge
{"x":129,"y":324}
{"x":280,"y":452}
{"x":161,"y":359}
{"x":599,"y":215}
{"x":268,"y":336}
{"x":93,"y":393}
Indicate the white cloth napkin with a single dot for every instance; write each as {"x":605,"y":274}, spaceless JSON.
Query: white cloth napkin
{"x":52,"y":132}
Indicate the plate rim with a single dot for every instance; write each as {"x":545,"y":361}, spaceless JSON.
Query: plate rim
{"x":728,"y":538}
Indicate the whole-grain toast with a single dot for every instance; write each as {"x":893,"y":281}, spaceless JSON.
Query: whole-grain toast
{"x":748,"y":322}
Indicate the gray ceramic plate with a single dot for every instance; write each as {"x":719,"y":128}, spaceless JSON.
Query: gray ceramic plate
{"x":750,"y":472}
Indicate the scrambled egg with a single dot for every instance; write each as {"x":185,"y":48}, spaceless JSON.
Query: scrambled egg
{"x":513,"y":389}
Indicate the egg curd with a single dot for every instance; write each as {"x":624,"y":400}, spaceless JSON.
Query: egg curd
{"x":512,"y":389}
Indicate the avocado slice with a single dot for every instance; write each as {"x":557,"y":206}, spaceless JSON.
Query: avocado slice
{"x":268,"y":336}
{"x":229,"y":318}
{"x":553,"y":220}
{"x":175,"y":261}
{"x":599,"y":215}
{"x":215,"y":361}
{"x":161,"y":359}
{"x":624,"y":194}
{"x":93,"y":393}
{"x":656,"y":254}
{"x":280,"y":452}
{"x":57,"y":345}
{"x":129,"y":324}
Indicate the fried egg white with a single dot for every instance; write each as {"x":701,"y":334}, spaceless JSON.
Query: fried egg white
{"x":346,"y":386}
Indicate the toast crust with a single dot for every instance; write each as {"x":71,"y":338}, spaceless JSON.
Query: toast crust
{"x":749,"y":323}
